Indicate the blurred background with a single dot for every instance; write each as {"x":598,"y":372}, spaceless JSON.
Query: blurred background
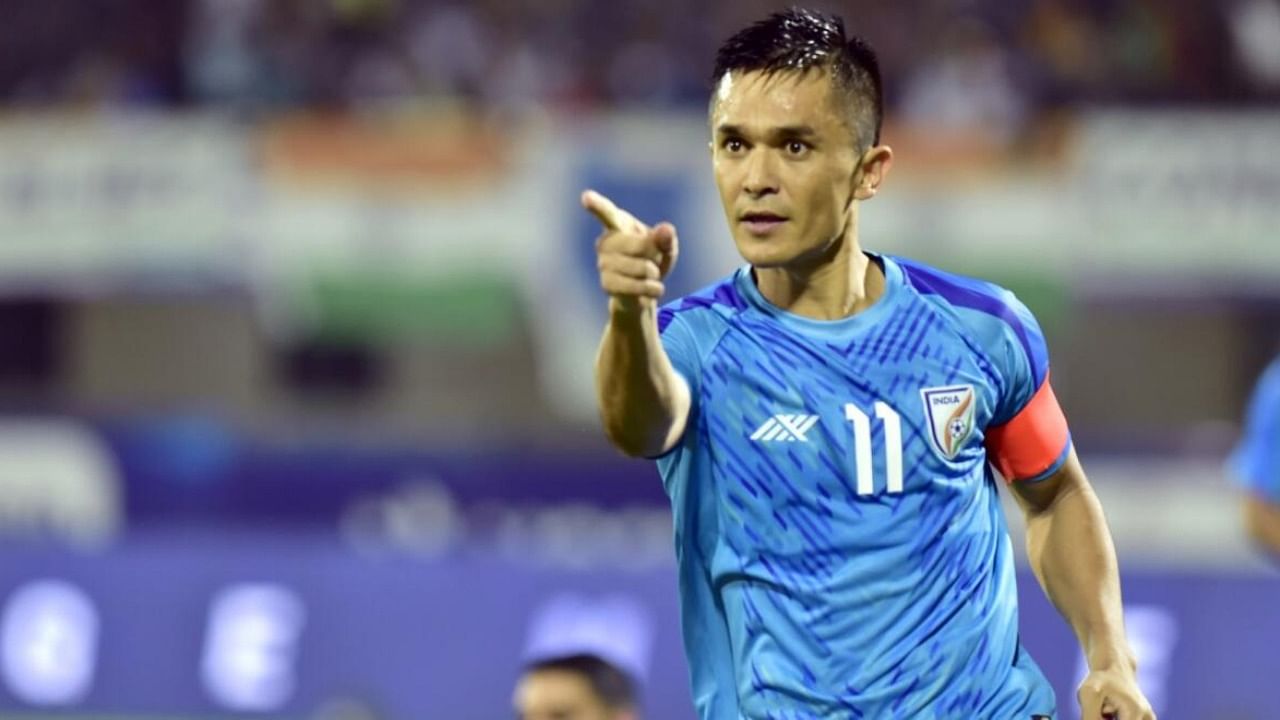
{"x":298,"y":310}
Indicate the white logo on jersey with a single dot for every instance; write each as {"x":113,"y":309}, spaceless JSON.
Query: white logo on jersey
{"x":950,"y":411}
{"x":785,"y":428}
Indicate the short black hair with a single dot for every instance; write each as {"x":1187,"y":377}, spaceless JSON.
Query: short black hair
{"x":799,"y":40}
{"x":613,"y":686}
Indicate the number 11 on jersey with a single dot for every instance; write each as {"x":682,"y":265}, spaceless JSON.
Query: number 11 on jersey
{"x":862,"y":446}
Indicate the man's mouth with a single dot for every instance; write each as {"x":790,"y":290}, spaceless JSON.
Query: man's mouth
{"x":761,"y":223}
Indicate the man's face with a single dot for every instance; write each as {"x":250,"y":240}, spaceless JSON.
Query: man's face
{"x":560,"y":695}
{"x":784,"y":159}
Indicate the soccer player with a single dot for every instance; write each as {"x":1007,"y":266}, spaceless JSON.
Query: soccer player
{"x":575,"y":687}
{"x":824,"y":418}
{"x":1256,"y":463}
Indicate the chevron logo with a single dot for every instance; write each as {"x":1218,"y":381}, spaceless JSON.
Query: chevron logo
{"x":785,"y":428}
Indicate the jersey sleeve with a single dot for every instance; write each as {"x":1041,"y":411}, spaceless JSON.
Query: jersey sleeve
{"x":680,"y":342}
{"x":1255,"y":463}
{"x":1028,"y":438}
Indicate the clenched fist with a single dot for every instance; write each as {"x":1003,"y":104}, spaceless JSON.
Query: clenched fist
{"x":633,"y":258}
{"x":1113,"y":694}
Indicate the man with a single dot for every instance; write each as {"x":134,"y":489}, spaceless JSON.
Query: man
{"x":1256,"y":463}
{"x":823,"y":420}
{"x":575,"y":687}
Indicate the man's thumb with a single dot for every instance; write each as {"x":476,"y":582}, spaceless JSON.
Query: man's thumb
{"x":664,"y":237}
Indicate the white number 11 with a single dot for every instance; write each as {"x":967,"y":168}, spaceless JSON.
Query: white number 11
{"x":862,"y":446}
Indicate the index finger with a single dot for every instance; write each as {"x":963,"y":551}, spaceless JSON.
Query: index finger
{"x":610,"y":216}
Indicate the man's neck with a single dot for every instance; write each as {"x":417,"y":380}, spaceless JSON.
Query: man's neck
{"x":844,"y":282}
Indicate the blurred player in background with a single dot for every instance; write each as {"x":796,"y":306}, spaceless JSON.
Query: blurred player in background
{"x":1256,"y":462}
{"x":823,"y":420}
{"x":576,"y":687}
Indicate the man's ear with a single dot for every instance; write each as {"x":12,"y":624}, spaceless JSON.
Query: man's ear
{"x":872,"y":168}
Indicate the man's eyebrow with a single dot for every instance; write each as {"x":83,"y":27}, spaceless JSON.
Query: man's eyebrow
{"x":784,"y":131}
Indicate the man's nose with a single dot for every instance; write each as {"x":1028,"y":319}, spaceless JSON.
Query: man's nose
{"x":760,"y":178}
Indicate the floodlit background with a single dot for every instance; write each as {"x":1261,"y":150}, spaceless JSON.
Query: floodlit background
{"x":298,"y":308}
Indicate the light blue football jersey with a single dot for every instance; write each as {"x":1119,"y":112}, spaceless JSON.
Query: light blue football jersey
{"x":1255,"y":464}
{"x":841,"y":547}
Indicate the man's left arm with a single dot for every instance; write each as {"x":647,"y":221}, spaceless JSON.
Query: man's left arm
{"x":1071,"y":553}
{"x":1068,"y":543}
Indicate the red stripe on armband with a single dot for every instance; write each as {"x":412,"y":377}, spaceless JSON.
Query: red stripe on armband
{"x":1032,"y":441}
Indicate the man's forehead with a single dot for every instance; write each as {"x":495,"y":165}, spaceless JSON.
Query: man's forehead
{"x":756,"y":95}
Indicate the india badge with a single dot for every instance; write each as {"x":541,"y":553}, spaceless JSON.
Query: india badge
{"x":950,"y":412}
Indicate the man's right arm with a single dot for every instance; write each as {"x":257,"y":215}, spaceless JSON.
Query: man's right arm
{"x":1255,"y":464}
{"x":644,"y":403}
{"x":1262,"y":523}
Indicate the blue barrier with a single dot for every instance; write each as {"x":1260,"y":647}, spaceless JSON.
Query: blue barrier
{"x":278,"y":625}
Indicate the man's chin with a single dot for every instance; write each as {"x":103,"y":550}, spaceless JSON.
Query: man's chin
{"x":764,"y":253}
{"x":783,"y":253}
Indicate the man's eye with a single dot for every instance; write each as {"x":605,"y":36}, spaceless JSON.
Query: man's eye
{"x":795,"y":147}
{"x":733,"y":145}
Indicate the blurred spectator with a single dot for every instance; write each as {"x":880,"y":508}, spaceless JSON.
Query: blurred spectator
{"x":967,"y":88}
{"x":509,"y":56}
{"x":451,"y":48}
{"x":1255,"y":30}
{"x":97,"y":54}
{"x":1256,"y":462}
{"x":222,"y":64}
{"x":1067,"y":45}
{"x":1140,"y":48}
{"x":577,"y":687}
{"x":583,"y":659}
{"x":618,"y":629}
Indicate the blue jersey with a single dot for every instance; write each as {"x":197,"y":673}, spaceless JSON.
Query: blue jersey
{"x":1255,"y":464}
{"x":841,"y":547}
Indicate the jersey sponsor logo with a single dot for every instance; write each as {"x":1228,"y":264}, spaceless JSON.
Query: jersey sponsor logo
{"x":785,"y":428}
{"x":950,"y":412}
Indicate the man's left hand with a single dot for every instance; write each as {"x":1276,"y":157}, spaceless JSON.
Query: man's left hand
{"x":1113,"y":694}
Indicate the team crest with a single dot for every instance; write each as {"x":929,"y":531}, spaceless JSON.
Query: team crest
{"x":950,"y":412}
